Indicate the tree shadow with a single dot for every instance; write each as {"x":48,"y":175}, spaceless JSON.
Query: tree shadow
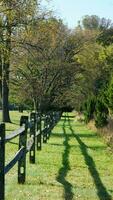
{"x":101,"y":189}
{"x":61,"y":145}
{"x":97,"y":148}
{"x":61,"y":178}
{"x":87,"y":135}
{"x":60,"y":135}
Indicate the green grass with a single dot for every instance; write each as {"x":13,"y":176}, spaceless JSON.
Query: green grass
{"x":15,"y":117}
{"x":74,"y":164}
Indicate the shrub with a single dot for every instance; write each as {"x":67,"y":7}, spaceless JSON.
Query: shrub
{"x":110,"y":94}
{"x":89,"y":107}
{"x":100,"y":114}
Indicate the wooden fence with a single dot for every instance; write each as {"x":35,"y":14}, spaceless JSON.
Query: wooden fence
{"x":31,"y":133}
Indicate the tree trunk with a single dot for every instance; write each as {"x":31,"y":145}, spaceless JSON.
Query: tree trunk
{"x":5,"y":73}
{"x":0,"y":75}
{"x":5,"y":90}
{"x":5,"y":104}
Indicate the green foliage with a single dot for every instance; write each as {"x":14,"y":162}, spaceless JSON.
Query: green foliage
{"x":46,"y":74}
{"x":100,"y":114}
{"x":89,"y":107}
{"x":96,"y":61}
{"x":106,"y":37}
{"x":91,"y":22}
{"x":110,"y":94}
{"x":94,"y":22}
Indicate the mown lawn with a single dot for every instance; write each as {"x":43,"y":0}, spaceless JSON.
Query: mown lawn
{"x":74,"y":164}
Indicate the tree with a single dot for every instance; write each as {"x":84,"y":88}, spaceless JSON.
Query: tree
{"x":15,"y":16}
{"x":47,"y":67}
{"x":93,"y":22}
{"x":106,"y":37}
{"x":96,"y":61}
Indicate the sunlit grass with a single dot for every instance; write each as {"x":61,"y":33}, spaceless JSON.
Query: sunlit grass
{"x":15,"y":120}
{"x":74,"y":164}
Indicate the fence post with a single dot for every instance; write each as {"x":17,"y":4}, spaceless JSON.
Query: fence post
{"x":2,"y":161}
{"x":44,"y":136}
{"x":51,"y":124}
{"x":48,"y":126}
{"x":22,"y":142}
{"x":44,"y":130}
{"x":39,"y":140}
{"x":33,"y":134}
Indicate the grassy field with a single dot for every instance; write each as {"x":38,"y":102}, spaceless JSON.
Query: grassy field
{"x":75,"y":164}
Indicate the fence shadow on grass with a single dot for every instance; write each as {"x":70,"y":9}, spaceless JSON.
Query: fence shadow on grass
{"x":101,"y":189}
{"x":61,"y":178}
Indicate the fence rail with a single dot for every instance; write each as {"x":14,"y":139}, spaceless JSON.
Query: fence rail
{"x":11,"y":164}
{"x":14,"y":134}
{"x":36,"y":131}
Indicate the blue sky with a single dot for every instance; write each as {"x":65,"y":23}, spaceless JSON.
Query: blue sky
{"x":72,"y":10}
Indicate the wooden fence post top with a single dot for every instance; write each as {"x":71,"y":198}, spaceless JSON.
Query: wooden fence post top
{"x":23,"y":120}
{"x":33,"y":116}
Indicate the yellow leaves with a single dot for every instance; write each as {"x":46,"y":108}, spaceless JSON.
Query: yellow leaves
{"x":102,"y":55}
{"x":89,"y":56}
{"x":106,"y":54}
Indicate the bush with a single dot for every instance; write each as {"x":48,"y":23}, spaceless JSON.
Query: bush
{"x":100,"y":114}
{"x":110,"y":94}
{"x":89,"y":107}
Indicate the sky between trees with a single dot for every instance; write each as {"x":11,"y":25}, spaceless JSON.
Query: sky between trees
{"x":71,"y":11}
